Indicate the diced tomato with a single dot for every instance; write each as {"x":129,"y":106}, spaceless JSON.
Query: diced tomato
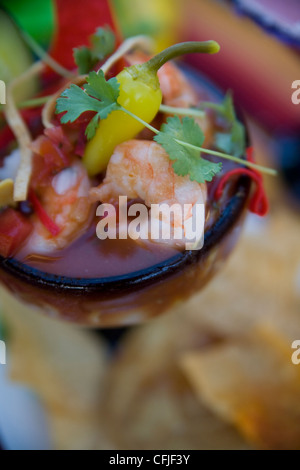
{"x":52,"y":153}
{"x":60,"y":140}
{"x":75,"y":131}
{"x":81,"y":141}
{"x":14,"y":229}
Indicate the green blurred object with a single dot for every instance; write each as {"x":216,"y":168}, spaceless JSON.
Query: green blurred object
{"x":15,"y":58}
{"x":36,"y":17}
{"x":3,"y":329}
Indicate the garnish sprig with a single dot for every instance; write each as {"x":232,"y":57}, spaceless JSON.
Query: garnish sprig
{"x":182,"y":139}
{"x":139,"y":92}
{"x":102,"y":44}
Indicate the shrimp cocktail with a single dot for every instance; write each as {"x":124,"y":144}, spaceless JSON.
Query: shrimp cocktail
{"x":127,"y":191}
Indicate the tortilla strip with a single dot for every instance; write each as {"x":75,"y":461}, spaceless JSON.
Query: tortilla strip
{"x":141,"y":41}
{"x":6,"y":193}
{"x":21,"y":133}
{"x":49,"y":108}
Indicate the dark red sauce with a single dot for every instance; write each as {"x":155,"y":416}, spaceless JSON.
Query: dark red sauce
{"x":89,"y":257}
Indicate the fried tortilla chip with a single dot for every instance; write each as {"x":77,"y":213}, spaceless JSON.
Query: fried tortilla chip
{"x":148,"y":403}
{"x":251,"y":385}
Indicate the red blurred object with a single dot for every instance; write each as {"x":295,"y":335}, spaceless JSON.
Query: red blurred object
{"x":14,"y":229}
{"x":76,"y":21}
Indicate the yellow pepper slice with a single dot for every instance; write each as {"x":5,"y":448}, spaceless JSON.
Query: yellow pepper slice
{"x":136,"y":97}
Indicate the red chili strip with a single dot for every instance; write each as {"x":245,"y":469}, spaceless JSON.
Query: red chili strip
{"x":250,"y":157}
{"x":42,"y":215}
{"x":259,"y":202}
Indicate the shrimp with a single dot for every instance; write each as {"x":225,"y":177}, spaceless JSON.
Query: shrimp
{"x":67,"y":203}
{"x":176,"y":89}
{"x":141,"y":169}
{"x":178,"y":92}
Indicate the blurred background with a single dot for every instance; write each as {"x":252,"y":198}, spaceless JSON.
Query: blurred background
{"x":215,"y":373}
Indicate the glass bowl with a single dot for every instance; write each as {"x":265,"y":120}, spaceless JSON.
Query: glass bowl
{"x":132,"y":298}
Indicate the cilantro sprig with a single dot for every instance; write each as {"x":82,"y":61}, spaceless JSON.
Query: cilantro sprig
{"x":102,"y":44}
{"x":187,"y":160}
{"x":182,"y":139}
{"x":232,"y":141}
{"x":97,"y":95}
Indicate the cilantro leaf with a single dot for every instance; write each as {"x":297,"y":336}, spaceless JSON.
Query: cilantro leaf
{"x":92,"y":127}
{"x":238,"y":134}
{"x":187,"y":130}
{"x":234,"y":141}
{"x":4,"y":330}
{"x":106,"y":91}
{"x":98,"y":95}
{"x":74,"y":101}
{"x":83,"y":59}
{"x":187,"y":161}
{"x":102,"y":45}
{"x":228,"y":108}
{"x":223,"y":141}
